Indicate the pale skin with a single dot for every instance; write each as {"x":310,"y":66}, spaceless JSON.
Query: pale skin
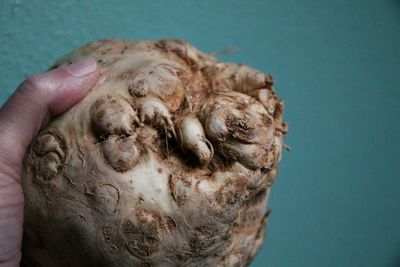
{"x":35,"y":101}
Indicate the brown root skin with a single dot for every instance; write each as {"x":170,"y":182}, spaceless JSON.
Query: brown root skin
{"x":112,"y":115}
{"x":121,"y":153}
{"x":168,"y":161}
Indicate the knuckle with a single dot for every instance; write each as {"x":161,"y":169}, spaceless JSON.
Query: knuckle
{"x":35,"y":81}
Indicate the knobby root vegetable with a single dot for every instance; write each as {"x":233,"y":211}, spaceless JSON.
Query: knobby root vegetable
{"x":168,"y":161}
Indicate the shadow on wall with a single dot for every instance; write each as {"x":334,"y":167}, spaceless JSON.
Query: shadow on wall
{"x":396,"y":4}
{"x":396,"y":262}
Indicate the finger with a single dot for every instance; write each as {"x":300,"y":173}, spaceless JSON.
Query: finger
{"x":36,"y":100}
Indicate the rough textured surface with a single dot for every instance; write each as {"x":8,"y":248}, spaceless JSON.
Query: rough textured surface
{"x":167,"y":162}
{"x":336,"y":66}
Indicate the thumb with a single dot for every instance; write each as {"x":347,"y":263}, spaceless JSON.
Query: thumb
{"x":37,"y":99}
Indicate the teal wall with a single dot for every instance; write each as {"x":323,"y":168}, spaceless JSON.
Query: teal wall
{"x":336,"y":64}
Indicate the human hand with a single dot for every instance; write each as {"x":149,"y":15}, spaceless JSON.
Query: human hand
{"x":31,"y":106}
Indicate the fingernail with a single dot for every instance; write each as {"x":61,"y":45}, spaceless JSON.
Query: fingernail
{"x":81,"y":68}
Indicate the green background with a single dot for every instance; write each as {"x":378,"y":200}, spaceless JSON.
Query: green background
{"x":336,"y":64}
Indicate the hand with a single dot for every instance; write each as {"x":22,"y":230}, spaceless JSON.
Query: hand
{"x":35,"y":101}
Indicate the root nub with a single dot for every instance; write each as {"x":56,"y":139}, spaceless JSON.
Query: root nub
{"x":112,"y":115}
